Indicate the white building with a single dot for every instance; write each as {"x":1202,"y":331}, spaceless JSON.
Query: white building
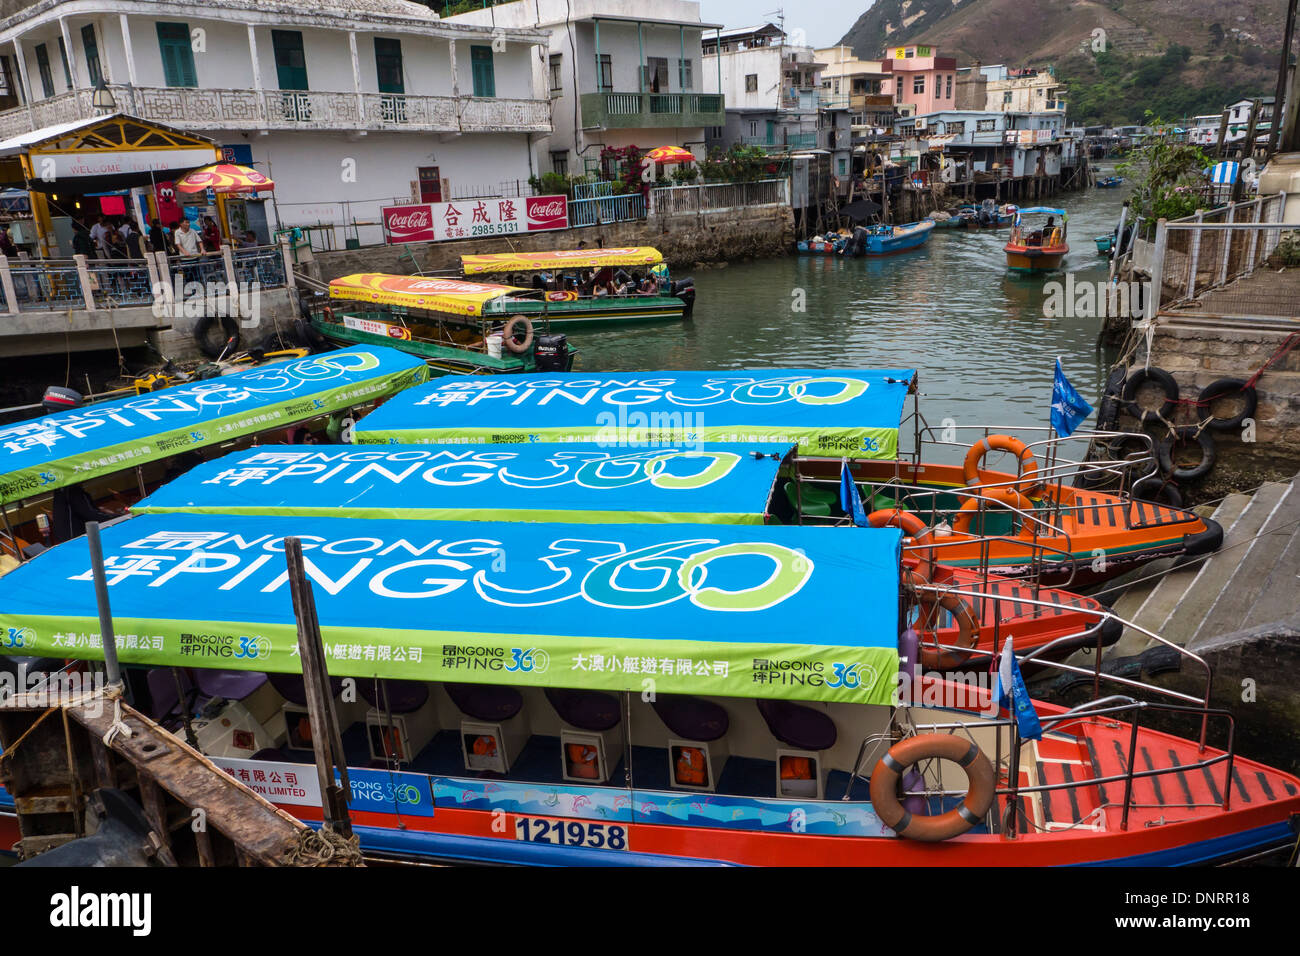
{"x":617,"y":76}
{"x":346,"y":104}
{"x":1023,"y":90}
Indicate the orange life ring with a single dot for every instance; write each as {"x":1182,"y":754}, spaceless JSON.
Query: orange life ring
{"x":508,"y":335}
{"x":928,"y":603}
{"x":1028,"y":483}
{"x":925,"y":827}
{"x":913,"y":527}
{"x":1006,"y":496}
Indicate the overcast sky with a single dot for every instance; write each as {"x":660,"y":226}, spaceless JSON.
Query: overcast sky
{"x":823,"y":23}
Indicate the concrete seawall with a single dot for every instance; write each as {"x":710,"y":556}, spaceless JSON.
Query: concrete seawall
{"x":721,"y":235}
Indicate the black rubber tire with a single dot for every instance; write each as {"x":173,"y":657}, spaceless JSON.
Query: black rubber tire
{"x":1159,"y":491}
{"x":1221,"y":388}
{"x":1109,"y":407}
{"x":1181,"y":436}
{"x":307,"y":337}
{"x":229,"y":325}
{"x":1139,"y":378}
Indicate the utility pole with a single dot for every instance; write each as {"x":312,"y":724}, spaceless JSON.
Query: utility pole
{"x":1248,"y":151}
{"x":1283,"y":70}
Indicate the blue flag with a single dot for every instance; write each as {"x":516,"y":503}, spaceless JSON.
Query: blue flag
{"x":850,"y":500}
{"x":1068,"y":406}
{"x":1012,"y":694}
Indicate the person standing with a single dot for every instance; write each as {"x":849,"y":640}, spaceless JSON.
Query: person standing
{"x":99,"y":235}
{"x":7,"y":247}
{"x":211,"y":235}
{"x":157,"y":236}
{"x":186,"y":239}
{"x":82,"y":243}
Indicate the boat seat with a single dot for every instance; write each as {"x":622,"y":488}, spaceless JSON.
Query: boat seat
{"x":798,"y":726}
{"x":293,"y":689}
{"x":816,"y":500}
{"x":487,"y":702}
{"x":404,"y":696}
{"x":230,"y":685}
{"x":691,"y":718}
{"x":585,"y":709}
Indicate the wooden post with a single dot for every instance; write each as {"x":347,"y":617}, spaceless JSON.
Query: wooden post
{"x":83,"y":279}
{"x":327,"y":743}
{"x":7,"y":282}
{"x":1223,"y":134}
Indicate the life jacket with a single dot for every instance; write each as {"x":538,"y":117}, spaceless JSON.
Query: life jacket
{"x":796,"y":768}
{"x":485,"y":745}
{"x":691,"y":767}
{"x":583,"y":761}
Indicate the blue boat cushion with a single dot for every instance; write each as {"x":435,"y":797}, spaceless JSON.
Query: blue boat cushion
{"x":232,"y":685}
{"x":585,"y":709}
{"x":691,"y":718}
{"x":798,"y":726}
{"x":292,"y":688}
{"x":404,"y":696}
{"x":488,"y":702}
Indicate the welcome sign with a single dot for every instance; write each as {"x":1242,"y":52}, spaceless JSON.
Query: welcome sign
{"x":788,"y":612}
{"x":50,"y":452}
{"x":573,"y":482}
{"x":836,"y":413}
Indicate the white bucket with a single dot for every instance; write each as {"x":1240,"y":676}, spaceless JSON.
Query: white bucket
{"x":494,"y":344}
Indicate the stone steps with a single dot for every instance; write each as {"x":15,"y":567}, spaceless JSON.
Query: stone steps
{"x":1257,"y":567}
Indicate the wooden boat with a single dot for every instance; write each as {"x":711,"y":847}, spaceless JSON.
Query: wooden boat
{"x":558,"y":279}
{"x":1110,"y":182}
{"x":956,"y":220}
{"x":457,"y":327}
{"x":1040,"y":249}
{"x":990,"y":216}
{"x":1030,"y":521}
{"x":883,"y":240}
{"x":117,"y":449}
{"x":518,"y":731}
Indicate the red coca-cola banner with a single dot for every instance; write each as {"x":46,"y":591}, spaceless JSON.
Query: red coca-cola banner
{"x":472,"y":218}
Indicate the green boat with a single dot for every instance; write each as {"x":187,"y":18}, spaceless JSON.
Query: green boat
{"x":557,"y":279}
{"x":457,"y":327}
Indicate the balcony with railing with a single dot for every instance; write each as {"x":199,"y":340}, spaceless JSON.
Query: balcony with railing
{"x":610,"y":110}
{"x":781,"y":140}
{"x":201,"y":109}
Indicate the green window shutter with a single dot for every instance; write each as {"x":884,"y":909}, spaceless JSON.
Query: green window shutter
{"x":388,"y":65}
{"x":485,"y":83}
{"x":177,"y":54}
{"x":88,"y":43}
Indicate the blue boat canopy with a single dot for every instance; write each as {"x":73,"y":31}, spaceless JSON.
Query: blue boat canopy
{"x":1043,"y":210}
{"x":781,"y":611}
{"x":65,"y":448}
{"x":579,"y":482}
{"x":834,"y":413}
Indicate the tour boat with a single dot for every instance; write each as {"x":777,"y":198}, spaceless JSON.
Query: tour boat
{"x":633,"y":694}
{"x":883,"y":240}
{"x":1041,"y":249}
{"x":1025,"y":521}
{"x":117,"y":449}
{"x":457,"y":327}
{"x":558,"y":275}
{"x":959,"y":614}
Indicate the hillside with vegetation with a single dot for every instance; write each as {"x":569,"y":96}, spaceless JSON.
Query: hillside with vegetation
{"x":1118,"y":59}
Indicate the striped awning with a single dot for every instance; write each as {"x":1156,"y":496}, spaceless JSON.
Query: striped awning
{"x":1223,"y":174}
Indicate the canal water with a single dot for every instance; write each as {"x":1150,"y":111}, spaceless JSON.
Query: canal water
{"x":975,"y":331}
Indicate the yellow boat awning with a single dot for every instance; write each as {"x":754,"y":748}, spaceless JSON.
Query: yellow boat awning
{"x":566,"y":259}
{"x":455,"y":296}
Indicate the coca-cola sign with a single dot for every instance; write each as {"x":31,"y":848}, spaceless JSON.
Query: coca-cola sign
{"x":409,"y":223}
{"x":547,"y":212}
{"x":475,"y":218}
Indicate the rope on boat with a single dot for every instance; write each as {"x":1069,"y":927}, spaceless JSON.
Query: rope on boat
{"x":324,"y":847}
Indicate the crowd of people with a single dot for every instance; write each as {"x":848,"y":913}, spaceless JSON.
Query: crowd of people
{"x":598,"y":283}
{"x":118,"y":237}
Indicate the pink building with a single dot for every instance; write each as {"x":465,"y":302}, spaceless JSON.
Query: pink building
{"x":923,"y":80}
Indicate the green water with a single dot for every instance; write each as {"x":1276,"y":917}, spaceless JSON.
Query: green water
{"x":975,"y":331}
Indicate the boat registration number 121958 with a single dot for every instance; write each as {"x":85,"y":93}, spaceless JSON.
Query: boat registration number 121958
{"x":599,"y":836}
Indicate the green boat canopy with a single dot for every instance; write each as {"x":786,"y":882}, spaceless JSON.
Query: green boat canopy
{"x":66,"y":448}
{"x":582,"y":483}
{"x":778,"y":611}
{"x":852,"y":414}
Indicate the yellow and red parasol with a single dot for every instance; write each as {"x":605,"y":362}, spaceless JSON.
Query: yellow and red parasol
{"x":224,"y":178}
{"x":670,"y":154}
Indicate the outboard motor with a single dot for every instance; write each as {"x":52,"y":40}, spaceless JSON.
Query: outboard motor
{"x":684,"y":289}
{"x":551,"y":353}
{"x":857,"y":245}
{"x":58,"y":399}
